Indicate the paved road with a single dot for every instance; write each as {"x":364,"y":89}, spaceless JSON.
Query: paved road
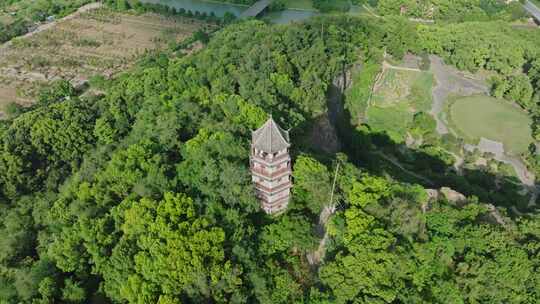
{"x":532,"y":9}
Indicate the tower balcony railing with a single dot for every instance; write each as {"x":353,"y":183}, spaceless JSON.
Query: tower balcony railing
{"x":269,"y":175}
{"x":282,"y":200}
{"x":275,"y":189}
{"x":269,"y":160}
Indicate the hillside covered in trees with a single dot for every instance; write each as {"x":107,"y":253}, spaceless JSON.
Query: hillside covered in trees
{"x":141,"y":193}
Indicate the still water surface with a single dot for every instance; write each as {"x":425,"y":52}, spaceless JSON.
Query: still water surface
{"x":219,"y":9}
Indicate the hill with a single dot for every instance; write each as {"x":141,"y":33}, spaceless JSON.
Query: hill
{"x":142,"y":193}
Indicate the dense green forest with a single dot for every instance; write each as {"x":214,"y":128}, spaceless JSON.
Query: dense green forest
{"x":142,"y":194}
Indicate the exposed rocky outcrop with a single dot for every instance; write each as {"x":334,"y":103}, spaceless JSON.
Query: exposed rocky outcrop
{"x":493,"y":216}
{"x":453,"y":196}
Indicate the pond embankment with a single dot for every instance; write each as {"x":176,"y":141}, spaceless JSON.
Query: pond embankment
{"x":452,"y":82}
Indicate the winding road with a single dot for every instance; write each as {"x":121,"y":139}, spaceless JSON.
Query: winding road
{"x":532,"y":9}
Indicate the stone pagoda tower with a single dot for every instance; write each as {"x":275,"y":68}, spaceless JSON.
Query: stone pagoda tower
{"x":271,"y":166}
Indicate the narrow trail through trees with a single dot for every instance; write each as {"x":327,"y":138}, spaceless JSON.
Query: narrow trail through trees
{"x":315,"y":257}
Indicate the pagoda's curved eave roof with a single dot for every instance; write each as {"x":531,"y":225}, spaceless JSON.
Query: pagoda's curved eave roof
{"x":270,"y":138}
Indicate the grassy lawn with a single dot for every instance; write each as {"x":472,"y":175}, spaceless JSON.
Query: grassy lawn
{"x":398,"y":96}
{"x":479,"y":116}
{"x":392,"y":120}
{"x":299,"y":4}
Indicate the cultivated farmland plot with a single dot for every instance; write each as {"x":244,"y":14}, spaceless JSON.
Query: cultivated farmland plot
{"x":98,"y":42}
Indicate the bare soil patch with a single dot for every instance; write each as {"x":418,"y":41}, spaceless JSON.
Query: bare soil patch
{"x":95,"y":42}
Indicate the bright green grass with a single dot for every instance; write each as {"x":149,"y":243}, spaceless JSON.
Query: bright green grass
{"x":299,"y":4}
{"x":421,"y":97}
{"x":482,"y":116}
{"x":393,"y":120}
{"x":399,"y":96}
{"x":357,"y":96}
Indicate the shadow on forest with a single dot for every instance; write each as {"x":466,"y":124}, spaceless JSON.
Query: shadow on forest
{"x":372,"y":151}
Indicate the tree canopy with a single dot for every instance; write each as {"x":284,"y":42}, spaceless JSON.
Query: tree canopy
{"x":143,"y":194}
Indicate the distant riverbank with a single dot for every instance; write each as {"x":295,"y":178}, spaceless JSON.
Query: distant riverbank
{"x":221,"y":8}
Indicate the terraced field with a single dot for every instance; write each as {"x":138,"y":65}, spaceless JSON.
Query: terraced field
{"x":397,"y":96}
{"x":98,"y":42}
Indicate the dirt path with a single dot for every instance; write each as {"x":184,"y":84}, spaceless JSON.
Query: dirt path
{"x":532,"y":9}
{"x":400,"y":166}
{"x":497,"y":149}
{"x":370,"y":11}
{"x":450,"y":81}
{"x":387,"y":65}
{"x":314,"y":258}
